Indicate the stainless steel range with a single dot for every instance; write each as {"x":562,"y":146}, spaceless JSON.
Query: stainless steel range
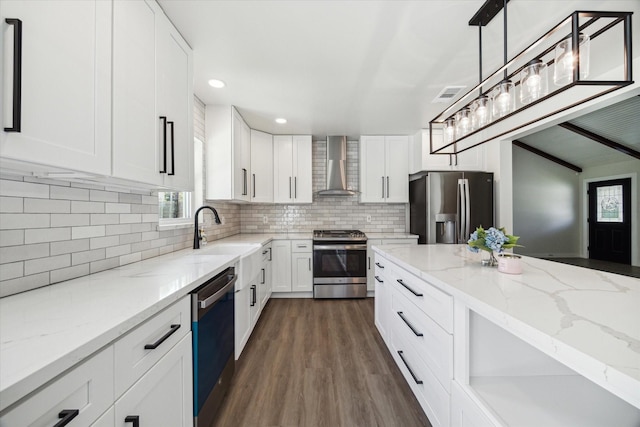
{"x":339,"y":264}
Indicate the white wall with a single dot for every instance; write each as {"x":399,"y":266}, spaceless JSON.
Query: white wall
{"x":546,"y":207}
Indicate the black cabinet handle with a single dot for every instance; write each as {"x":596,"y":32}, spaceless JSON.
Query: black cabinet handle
{"x":254,"y":185}
{"x":379,"y":279}
{"x":295,"y":187}
{"x":410,"y":290}
{"x":164,"y":144}
{"x":17,"y":75}
{"x":244,"y":182}
{"x":269,"y":254}
{"x":409,"y":369}
{"x":264,"y":277}
{"x":368,"y":263}
{"x":383,"y":187}
{"x":66,"y":416}
{"x":380,"y":265}
{"x":289,"y":187}
{"x":253,"y":295}
{"x":173,"y":152}
{"x":135,"y":419}
{"x":388,"y":188}
{"x":404,"y":319}
{"x":163,"y":338}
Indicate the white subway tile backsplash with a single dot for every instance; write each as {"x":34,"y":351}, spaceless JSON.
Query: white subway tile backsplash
{"x":130,"y":198}
{"x":22,"y":284}
{"x":150,"y":200}
{"x":40,"y":265}
{"x":47,"y":206}
{"x":11,"y":221}
{"x":70,"y":220}
{"x":11,"y":205}
{"x":11,"y":238}
{"x":104,"y":264}
{"x":128,"y":259}
{"x":69,"y":193}
{"x":117,"y":229}
{"x":88,"y":256}
{"x":23,"y":189}
{"x":69,"y":273}
{"x":87,"y":207}
{"x":104,"y":242}
{"x":11,"y":270}
{"x":117,"y":208}
{"x":116,"y":251}
{"x":69,"y":246}
{"x":130,"y":218}
{"x":40,"y":235}
{"x":103,"y":196}
{"x":86,"y":232}
{"x":104,"y":219}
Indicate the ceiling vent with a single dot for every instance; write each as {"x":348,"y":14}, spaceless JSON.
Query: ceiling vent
{"x":447,"y":94}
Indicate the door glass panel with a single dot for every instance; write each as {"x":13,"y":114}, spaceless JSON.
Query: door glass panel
{"x":609,"y":204}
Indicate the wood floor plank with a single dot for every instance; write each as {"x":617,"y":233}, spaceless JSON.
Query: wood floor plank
{"x":315,"y":363}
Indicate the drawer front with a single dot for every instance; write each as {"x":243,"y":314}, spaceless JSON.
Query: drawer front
{"x":266,"y":253}
{"x":434,"y":344}
{"x":301,"y":246}
{"x":433,"y":398}
{"x":132,"y":360}
{"x":87,"y":388}
{"x":435,"y":303}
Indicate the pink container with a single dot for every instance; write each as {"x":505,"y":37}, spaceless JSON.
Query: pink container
{"x":509,"y":263}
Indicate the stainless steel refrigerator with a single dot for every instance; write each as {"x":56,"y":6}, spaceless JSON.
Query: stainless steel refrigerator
{"x":446,"y":207}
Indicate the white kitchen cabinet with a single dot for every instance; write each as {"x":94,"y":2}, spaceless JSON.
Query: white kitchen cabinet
{"x":261,"y":167}
{"x":371,"y":282}
{"x":281,"y":273}
{"x":164,"y":395}
{"x":264,"y":285}
{"x":228,"y":154}
{"x":422,"y":160}
{"x":384,"y":169}
{"x":87,"y":388}
{"x":464,"y":411}
{"x":302,"y":266}
{"x":242,"y":317}
{"x":66,"y":85}
{"x":382,"y":302}
{"x":152,"y":98}
{"x":292,"y":168}
{"x":108,"y":419}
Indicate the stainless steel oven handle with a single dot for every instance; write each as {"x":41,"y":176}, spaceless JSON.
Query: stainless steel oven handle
{"x":215,"y":297}
{"x":340,"y":247}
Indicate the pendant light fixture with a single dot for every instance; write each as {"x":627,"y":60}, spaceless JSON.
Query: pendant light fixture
{"x":489,"y":110}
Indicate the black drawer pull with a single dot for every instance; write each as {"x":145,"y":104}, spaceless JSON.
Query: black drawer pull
{"x":66,"y":416}
{"x":162,"y":339}
{"x":410,"y":290}
{"x":379,"y":279}
{"x":379,"y":265}
{"x":410,"y":371}
{"x":173,"y":152}
{"x":135,"y":419}
{"x":17,"y":75}
{"x":164,"y":144}
{"x":418,"y":334}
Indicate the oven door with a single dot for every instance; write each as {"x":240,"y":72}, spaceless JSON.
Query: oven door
{"x":339,"y":263}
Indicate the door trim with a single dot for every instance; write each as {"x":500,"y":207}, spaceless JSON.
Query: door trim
{"x":635,"y":215}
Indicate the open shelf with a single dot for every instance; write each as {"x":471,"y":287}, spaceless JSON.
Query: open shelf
{"x":521,"y":386}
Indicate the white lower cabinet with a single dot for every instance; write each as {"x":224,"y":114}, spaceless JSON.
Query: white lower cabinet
{"x":464,"y":411}
{"x":370,"y":255}
{"x":281,"y":273}
{"x":108,"y":419}
{"x":164,"y":395}
{"x":87,"y":389}
{"x":302,"y":266}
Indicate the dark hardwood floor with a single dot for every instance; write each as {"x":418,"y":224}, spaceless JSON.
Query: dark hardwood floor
{"x":318,"y":363}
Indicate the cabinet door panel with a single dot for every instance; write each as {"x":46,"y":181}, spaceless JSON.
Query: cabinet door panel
{"x":397,"y":169}
{"x":302,"y":273}
{"x":281,"y":277}
{"x":137,"y":129}
{"x":302,"y":190}
{"x":372,"y":173}
{"x":163,"y":396}
{"x":242,"y":318}
{"x":66,"y":84}
{"x":282,"y":169}
{"x":261,"y":167}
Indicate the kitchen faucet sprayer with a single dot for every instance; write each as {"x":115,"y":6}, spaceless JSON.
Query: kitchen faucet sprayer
{"x":196,"y":234}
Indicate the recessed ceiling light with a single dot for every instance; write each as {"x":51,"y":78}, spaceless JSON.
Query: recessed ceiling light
{"x":216,"y":83}
{"x":281,"y":121}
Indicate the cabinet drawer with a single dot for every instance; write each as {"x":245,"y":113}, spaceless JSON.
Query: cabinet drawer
{"x":435,"y":303}
{"x":434,"y":344}
{"x":301,"y":246}
{"x":87,"y":388}
{"x":433,"y":398}
{"x":132,"y":360}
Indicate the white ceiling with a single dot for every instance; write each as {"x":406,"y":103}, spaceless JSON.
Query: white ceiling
{"x":353,"y":67}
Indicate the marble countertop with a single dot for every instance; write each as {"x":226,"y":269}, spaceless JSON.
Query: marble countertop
{"x":48,"y":330}
{"x":588,"y":320}
{"x":391,"y":236}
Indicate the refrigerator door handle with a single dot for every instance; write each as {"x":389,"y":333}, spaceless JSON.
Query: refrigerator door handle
{"x":467,"y":216}
{"x":462,"y":210}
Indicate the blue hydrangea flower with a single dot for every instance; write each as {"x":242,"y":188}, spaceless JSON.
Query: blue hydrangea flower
{"x":473,"y":249}
{"x":495,"y":239}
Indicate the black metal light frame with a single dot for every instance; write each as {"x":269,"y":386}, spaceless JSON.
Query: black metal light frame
{"x":456,"y":147}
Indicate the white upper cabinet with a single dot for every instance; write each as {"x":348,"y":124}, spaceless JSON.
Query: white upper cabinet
{"x":384,"y":169}
{"x":65,"y":108}
{"x":228,"y":151}
{"x":261,"y":167}
{"x":152,"y":98}
{"x":292,"y":169}
{"x":421,"y":159}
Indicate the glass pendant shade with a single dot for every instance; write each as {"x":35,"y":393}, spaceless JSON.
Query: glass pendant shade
{"x":480,"y":112}
{"x":449,"y":130}
{"x":463,"y":122}
{"x":503,"y":99}
{"x":564,"y":60}
{"x":533,"y":81}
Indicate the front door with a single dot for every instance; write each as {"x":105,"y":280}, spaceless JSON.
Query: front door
{"x":610,"y":220}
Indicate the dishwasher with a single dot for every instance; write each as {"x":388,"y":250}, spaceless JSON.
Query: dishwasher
{"x":212,"y":325}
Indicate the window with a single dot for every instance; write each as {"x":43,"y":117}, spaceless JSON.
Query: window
{"x":174,"y":205}
{"x":609,"y":204}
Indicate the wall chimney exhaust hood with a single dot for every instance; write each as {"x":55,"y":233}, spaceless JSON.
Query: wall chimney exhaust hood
{"x":337,"y":168}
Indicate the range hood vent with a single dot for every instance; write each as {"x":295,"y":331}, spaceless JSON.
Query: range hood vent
{"x":337,"y":168}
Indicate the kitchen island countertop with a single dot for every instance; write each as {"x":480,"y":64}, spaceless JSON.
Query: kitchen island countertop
{"x":588,"y":320}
